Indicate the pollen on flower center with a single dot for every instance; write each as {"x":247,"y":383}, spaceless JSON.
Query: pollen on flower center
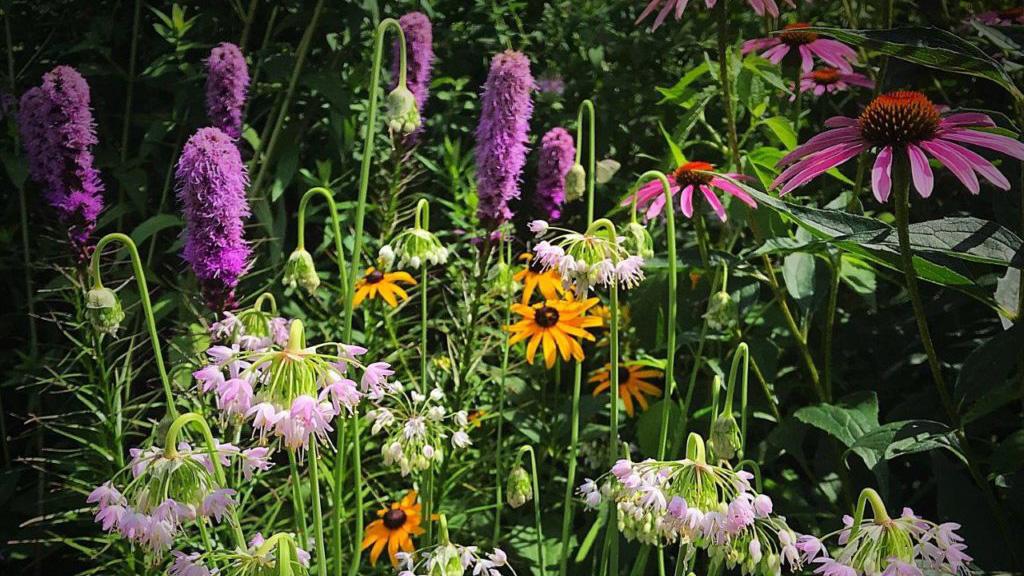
{"x":374,"y":277}
{"x":693,"y":173}
{"x":546,"y":316}
{"x":825,"y":76}
{"x":394,"y":519}
{"x":898,"y":118}
{"x":795,"y":34}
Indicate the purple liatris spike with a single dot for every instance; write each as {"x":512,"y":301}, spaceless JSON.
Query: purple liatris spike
{"x":501,"y":135}
{"x":58,"y":130}
{"x":227,"y":83}
{"x":211,"y":181}
{"x":557,"y":152}
{"x":419,"y":42}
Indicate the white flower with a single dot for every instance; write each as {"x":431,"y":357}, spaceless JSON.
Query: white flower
{"x":538,"y":227}
{"x":460,"y":439}
{"x":386,"y":255}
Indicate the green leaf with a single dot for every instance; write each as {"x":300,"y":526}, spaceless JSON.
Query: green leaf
{"x":680,"y":92}
{"x":1008,"y":457}
{"x":783,"y":130}
{"x":990,"y":364}
{"x":847,"y":421}
{"x":677,"y":154}
{"x":153,"y":225}
{"x":896,"y":439}
{"x":929,"y":47}
{"x":971,"y":239}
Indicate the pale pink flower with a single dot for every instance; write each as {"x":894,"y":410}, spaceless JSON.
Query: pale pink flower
{"x":216,"y":503}
{"x":104,"y":495}
{"x":187,"y":565}
{"x":253,"y":459}
{"x":109,"y":516}
{"x":235,"y":396}
{"x":341,"y":391}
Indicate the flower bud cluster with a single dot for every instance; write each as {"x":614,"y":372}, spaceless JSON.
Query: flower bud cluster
{"x":711,"y":508}
{"x":590,"y":259}
{"x":413,"y":248}
{"x":250,"y":329}
{"x":453,"y":560}
{"x":415,"y":428}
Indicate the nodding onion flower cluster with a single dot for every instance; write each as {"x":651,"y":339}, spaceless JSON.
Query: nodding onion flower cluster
{"x":416,"y":246}
{"x":291,"y":392}
{"x":415,"y":427}
{"x":250,"y":329}
{"x":449,"y":559}
{"x":597,"y":257}
{"x":707,"y":507}
{"x":884,"y":546}
{"x":169,"y":488}
{"x":279,"y":554}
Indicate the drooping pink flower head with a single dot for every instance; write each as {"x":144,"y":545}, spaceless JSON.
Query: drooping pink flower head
{"x":557,"y":152}
{"x":902,"y":123}
{"x":808,"y":44}
{"x":501,"y":135}
{"x":689,"y":178}
{"x":419,"y":43}
{"x":827,"y":79}
{"x":58,"y":132}
{"x":667,"y":7}
{"x":211,"y":181}
{"x":227,"y":83}
{"x":1009,"y":17}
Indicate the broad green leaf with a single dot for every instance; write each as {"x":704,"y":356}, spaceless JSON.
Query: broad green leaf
{"x":970,"y":239}
{"x":990,"y":364}
{"x":680,"y":92}
{"x":783,"y":130}
{"x":677,"y":154}
{"x":847,"y":421}
{"x":153,"y":225}
{"x":929,"y":47}
{"x":896,"y":439}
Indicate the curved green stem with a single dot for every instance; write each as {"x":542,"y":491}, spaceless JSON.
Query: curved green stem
{"x":339,"y":250}
{"x":877,"y":509}
{"x":781,"y":298}
{"x":171,"y":452}
{"x":536,"y":506}
{"x":505,"y":255}
{"x":318,"y":517}
{"x":695,"y":448}
{"x":588,"y":107}
{"x":357,"y":247}
{"x":423,"y":223}
{"x":147,"y":306}
{"x":744,"y":351}
{"x":265,"y":297}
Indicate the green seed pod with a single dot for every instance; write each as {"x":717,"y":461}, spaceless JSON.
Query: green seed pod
{"x":638,"y":240}
{"x":723,"y":312}
{"x":104,"y":310}
{"x":447,"y":562}
{"x":575,"y":183}
{"x":300,"y":271}
{"x":402,"y":115}
{"x":518,"y":490}
{"x":725,"y":437}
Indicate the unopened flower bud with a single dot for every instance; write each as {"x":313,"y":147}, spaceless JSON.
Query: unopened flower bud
{"x":402,"y":115}
{"x":517,"y":489}
{"x":638,"y":240}
{"x":386,"y":256}
{"x":446,"y":561}
{"x":300,"y":271}
{"x":725,"y":437}
{"x":104,"y":310}
{"x":723,"y":312}
{"x":575,"y":183}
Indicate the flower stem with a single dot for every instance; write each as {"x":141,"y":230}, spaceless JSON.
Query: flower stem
{"x":612,"y":540}
{"x":318,"y":517}
{"x":722,"y":11}
{"x":536,"y":506}
{"x":794,"y":329}
{"x":357,"y":247}
{"x":588,"y":106}
{"x":506,"y":255}
{"x":830,"y":321}
{"x":423,"y":222}
{"x":300,"y":507}
{"x":129,"y":96}
{"x":878,"y":511}
{"x":339,"y":250}
{"x":147,"y":307}
{"x":574,"y":436}
{"x":742,"y":351}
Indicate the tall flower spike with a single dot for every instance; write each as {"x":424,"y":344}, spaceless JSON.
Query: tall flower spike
{"x":419,"y":38}
{"x":557,"y":152}
{"x":502,"y":134}
{"x":211,"y":181}
{"x":227,"y":83}
{"x":59,"y":132}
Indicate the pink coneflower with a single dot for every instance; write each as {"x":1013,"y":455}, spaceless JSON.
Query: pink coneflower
{"x":1008,"y":17}
{"x":831,"y":80}
{"x":668,"y":6}
{"x":902,"y":122}
{"x":808,"y":44}
{"x":689,"y":177}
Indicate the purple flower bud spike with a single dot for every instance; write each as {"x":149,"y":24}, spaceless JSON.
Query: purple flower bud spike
{"x":227,"y":83}
{"x":557,"y":152}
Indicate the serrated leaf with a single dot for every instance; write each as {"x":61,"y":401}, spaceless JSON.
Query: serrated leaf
{"x":896,"y":439}
{"x":847,"y":421}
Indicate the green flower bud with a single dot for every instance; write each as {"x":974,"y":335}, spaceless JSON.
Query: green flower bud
{"x":402,"y":115}
{"x":518,"y":490}
{"x":446,"y":562}
{"x":300,"y":271}
{"x":504,"y":279}
{"x":638,"y":240}
{"x":723,"y":312}
{"x":725,"y":437}
{"x":104,"y":310}
{"x":575,"y":183}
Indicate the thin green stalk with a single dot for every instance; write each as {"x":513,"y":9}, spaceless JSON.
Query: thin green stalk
{"x":423,"y":223}
{"x":536,"y":506}
{"x":293,"y":81}
{"x":724,"y":78}
{"x":588,"y":106}
{"x":357,"y":248}
{"x":339,"y":250}
{"x":742,"y":351}
{"x":318,"y":516}
{"x":499,"y":502}
{"x":830,"y":322}
{"x":794,"y":330}
{"x":612,"y":541}
{"x":147,"y":307}
{"x":130,"y":88}
{"x":204,"y":535}
{"x":797,"y":93}
{"x":247,"y":25}
{"x":574,"y":437}
{"x":297,"y":503}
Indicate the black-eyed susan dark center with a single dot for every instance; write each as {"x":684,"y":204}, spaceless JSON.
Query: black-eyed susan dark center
{"x":795,"y":34}
{"x":546,"y":316}
{"x":394,"y":519}
{"x":624,"y":374}
{"x":693,"y":174}
{"x":535,"y":266}
{"x":898,"y":118}
{"x":374,"y":277}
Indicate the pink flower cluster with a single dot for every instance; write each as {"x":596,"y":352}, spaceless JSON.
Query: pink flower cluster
{"x":581,"y":273}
